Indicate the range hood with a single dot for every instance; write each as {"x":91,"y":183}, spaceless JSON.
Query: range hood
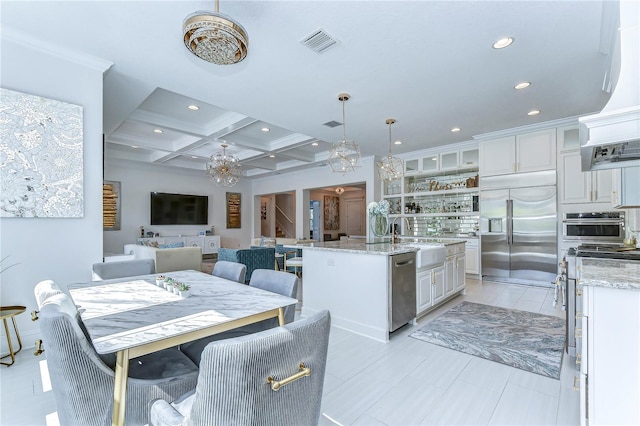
{"x":611,"y":138}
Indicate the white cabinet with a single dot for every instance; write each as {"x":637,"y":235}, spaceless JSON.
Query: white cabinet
{"x":472,"y":257}
{"x":449,"y":275}
{"x":577,"y":186}
{"x":460,"y":272}
{"x":449,"y":160}
{"x":464,"y":157}
{"x":454,"y":267}
{"x":609,"y":369}
{"x":211,"y":244}
{"x":193,"y":241}
{"x":529,"y":152}
{"x":626,"y":187}
{"x":497,"y":157}
{"x":430,"y":288}
{"x":437,"y":285}
{"x":459,"y":159}
{"x":423,"y":290}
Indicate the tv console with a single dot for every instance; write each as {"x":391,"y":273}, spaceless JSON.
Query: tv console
{"x":208,"y":243}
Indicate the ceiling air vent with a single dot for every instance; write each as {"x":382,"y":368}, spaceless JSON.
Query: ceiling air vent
{"x":319,"y":41}
{"x":332,"y":124}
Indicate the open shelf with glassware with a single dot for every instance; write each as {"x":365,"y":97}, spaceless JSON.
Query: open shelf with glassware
{"x":443,"y":203}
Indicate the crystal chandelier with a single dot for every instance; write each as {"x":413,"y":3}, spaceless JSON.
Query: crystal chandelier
{"x":345,"y":155}
{"x":389,"y":168}
{"x":215,"y":37}
{"x":224,"y":169}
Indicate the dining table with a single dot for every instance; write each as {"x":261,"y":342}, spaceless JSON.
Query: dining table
{"x":134,"y":316}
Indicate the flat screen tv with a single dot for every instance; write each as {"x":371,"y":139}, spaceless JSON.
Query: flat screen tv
{"x":179,"y":209}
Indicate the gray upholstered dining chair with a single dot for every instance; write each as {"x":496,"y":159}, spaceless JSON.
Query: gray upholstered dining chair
{"x":123,"y":268}
{"x":83,"y":384}
{"x":233,"y":271}
{"x":265,"y":279}
{"x":44,"y":290}
{"x":248,"y":380}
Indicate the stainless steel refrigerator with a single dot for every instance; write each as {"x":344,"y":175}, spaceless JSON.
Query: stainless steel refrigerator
{"x":518,"y":228}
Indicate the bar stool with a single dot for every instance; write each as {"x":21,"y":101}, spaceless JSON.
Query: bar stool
{"x":7,"y":312}
{"x":294,"y":262}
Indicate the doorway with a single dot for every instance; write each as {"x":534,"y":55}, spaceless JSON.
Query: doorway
{"x":314,"y":220}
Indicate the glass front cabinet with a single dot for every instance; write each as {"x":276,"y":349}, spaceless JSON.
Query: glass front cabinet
{"x":439,"y":193}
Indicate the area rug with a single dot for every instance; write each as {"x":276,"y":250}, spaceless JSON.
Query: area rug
{"x":524,"y":340}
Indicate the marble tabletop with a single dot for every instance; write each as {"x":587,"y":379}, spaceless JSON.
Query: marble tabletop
{"x":128,"y":312}
{"x":611,"y":273}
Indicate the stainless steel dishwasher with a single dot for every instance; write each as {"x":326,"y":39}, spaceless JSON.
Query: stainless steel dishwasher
{"x":402,"y":302}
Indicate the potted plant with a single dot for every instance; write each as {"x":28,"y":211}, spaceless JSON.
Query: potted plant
{"x":160,"y":280}
{"x":184,"y":290}
{"x":168,"y":283}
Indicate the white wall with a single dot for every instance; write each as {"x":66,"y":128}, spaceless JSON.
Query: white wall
{"x":53,"y":248}
{"x":138,"y":181}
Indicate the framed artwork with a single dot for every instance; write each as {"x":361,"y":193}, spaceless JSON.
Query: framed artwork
{"x":233,"y":210}
{"x":111,"y":205}
{"x":41,"y":146}
{"x":331,"y":213}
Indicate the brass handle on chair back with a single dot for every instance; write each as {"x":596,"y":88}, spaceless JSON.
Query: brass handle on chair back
{"x":39,"y":349}
{"x":277,"y":384}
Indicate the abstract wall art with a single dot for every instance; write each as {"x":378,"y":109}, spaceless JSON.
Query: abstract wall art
{"x":331,"y":213}
{"x":41,"y":157}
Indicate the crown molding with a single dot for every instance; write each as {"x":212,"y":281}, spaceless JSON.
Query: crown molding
{"x":45,"y":47}
{"x":561,"y":122}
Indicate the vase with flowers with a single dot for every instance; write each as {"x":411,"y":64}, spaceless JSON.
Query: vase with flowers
{"x":379,"y":217}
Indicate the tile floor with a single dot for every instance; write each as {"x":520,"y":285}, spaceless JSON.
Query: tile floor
{"x":404,"y":382}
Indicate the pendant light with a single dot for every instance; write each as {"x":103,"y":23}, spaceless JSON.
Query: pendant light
{"x":215,"y":37}
{"x":345,"y":155}
{"x":224,"y":169}
{"x":390,"y":168}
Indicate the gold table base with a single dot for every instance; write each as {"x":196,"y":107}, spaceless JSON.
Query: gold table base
{"x":7,"y":312}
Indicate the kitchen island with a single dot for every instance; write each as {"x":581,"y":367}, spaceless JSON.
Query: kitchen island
{"x":610,"y":341}
{"x":355,"y":281}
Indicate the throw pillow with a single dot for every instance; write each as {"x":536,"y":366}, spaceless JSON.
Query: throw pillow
{"x":171,"y":245}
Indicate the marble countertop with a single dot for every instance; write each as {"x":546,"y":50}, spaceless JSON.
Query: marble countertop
{"x":378,"y":248}
{"x":611,"y":273}
{"x":128,"y":312}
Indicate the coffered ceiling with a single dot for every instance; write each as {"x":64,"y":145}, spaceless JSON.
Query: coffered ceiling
{"x":428,"y":64}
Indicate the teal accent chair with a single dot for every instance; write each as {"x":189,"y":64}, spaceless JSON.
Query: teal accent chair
{"x":254,"y":258}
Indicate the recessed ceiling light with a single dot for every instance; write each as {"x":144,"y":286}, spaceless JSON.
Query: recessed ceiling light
{"x":193,"y":156}
{"x":397,"y":143}
{"x":314,"y":144}
{"x":272,"y":156}
{"x":503,"y":42}
{"x":455,"y":129}
{"x":435,"y":158}
{"x":193,"y":107}
{"x":534,"y":112}
{"x":265,"y":129}
{"x":134,"y":146}
{"x":522,"y":85}
{"x":157,"y":130}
